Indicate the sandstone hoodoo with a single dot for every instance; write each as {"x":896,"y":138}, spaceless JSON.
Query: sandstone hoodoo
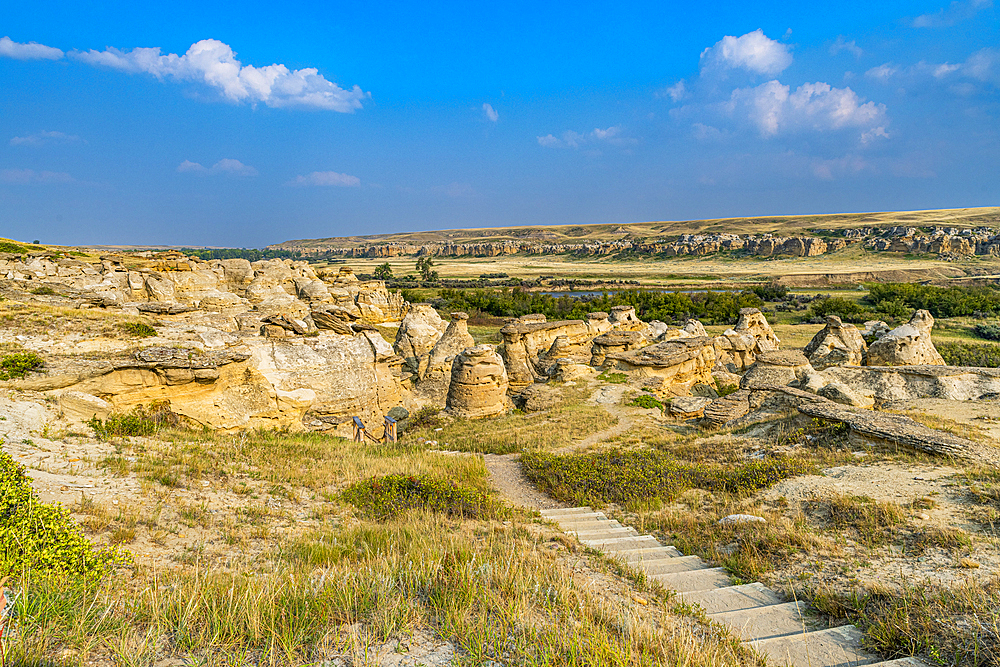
{"x":433,"y":384}
{"x":417,"y":335}
{"x":906,"y":345}
{"x":679,"y":364}
{"x":778,"y":368}
{"x":615,"y":341}
{"x":478,"y":385}
{"x":836,"y":344}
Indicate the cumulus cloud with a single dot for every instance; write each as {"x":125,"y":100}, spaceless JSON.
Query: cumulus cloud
{"x":773,"y":108}
{"x":326,"y":179}
{"x":957,"y":11}
{"x":27,"y":51}
{"x":45,"y":137}
{"x":490,"y":112}
{"x":753,"y":51}
{"x":30,"y":176}
{"x":882,"y":73}
{"x":981,"y":66}
{"x":570,"y":139}
{"x":214,"y":64}
{"x":223,"y":166}
{"x":676,"y":92}
{"x":843,"y":45}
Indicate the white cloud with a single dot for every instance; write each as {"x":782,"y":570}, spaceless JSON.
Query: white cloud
{"x":774,"y":109}
{"x":983,"y":65}
{"x":882,"y":73}
{"x":704,"y":132}
{"x":676,"y":92}
{"x":214,"y":63}
{"x":29,"y":51}
{"x":45,"y":137}
{"x":490,"y":112}
{"x":223,"y":166}
{"x":29,"y":176}
{"x":957,"y":11}
{"x":326,"y":178}
{"x":843,"y":45}
{"x":571,"y":139}
{"x":753,"y":51}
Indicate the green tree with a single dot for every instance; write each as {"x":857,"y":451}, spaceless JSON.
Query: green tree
{"x":383,"y":271}
{"x":425,"y":268}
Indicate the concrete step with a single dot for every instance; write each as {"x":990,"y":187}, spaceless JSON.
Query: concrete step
{"x":613,"y":544}
{"x":584,"y":523}
{"x":694,"y":580}
{"x":603,"y":533}
{"x":671,"y":565}
{"x":645,"y":555}
{"x":568,"y":511}
{"x":776,"y":620}
{"x":836,"y":647}
{"x":733,"y":598}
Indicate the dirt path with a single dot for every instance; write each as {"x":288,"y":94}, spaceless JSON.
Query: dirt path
{"x":509,"y":479}
{"x":608,"y":397}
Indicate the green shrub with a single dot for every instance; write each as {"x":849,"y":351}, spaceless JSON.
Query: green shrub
{"x":383,"y":497}
{"x":428,"y":416}
{"x":13,"y":248}
{"x":18,"y":365}
{"x":647,"y":401}
{"x":43,"y":538}
{"x":727,"y":389}
{"x":43,"y":290}
{"x":988,"y":330}
{"x":847,"y":310}
{"x":140,"y":329}
{"x":940,"y":301}
{"x":617,"y":476}
{"x":141,"y":420}
{"x":985,"y":355}
{"x":613,"y":378}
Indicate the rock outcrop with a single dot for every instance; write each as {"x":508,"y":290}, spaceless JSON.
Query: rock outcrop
{"x":478,"y":385}
{"x":679,"y":364}
{"x":778,"y":368}
{"x":526,"y":341}
{"x":906,"y":345}
{"x":901,"y":383}
{"x":615,"y":341}
{"x":836,"y":344}
{"x":417,"y":335}
{"x":753,"y":322}
{"x":433,"y":385}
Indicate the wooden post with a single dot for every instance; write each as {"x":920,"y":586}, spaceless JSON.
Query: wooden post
{"x":359,"y":430}
{"x":390,"y":429}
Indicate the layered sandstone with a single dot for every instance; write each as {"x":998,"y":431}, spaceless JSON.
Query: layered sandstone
{"x":478,"y":386}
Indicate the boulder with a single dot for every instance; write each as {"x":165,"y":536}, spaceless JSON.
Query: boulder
{"x":538,"y":397}
{"x":80,"y":408}
{"x":902,"y":383}
{"x":728,"y":408}
{"x":734,"y":351}
{"x":624,"y":317}
{"x":433,"y":384}
{"x":874,"y":329}
{"x":836,"y":344}
{"x":688,"y":407}
{"x":418,"y":333}
{"x":838,"y":392}
{"x":478,"y":383}
{"x":680,"y":362}
{"x":906,"y":345}
{"x":779,"y":368}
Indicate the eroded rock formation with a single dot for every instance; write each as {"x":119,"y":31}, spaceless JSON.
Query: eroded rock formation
{"x":836,"y":344}
{"x":478,"y":385}
{"x":679,"y":364}
{"x":906,"y":345}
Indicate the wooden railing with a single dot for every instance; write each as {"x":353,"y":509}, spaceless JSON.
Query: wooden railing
{"x":389,"y":433}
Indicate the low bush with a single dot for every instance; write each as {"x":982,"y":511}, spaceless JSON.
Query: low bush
{"x":141,"y":420}
{"x":617,"y":476}
{"x":613,"y":378}
{"x":387,"y":496}
{"x":428,"y":416}
{"x":43,"y":290}
{"x":647,"y":401}
{"x":43,"y":538}
{"x":987,"y":330}
{"x":727,"y":389}
{"x":984,"y":355}
{"x":18,"y":365}
{"x":140,"y":329}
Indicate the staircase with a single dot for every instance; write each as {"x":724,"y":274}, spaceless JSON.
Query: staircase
{"x":776,"y":629}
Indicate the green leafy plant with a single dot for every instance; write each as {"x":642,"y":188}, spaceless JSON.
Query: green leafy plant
{"x":428,"y":416}
{"x":140,"y":329}
{"x":613,"y":378}
{"x":984,"y":355}
{"x":387,"y":496}
{"x":43,"y":538}
{"x":18,"y":365}
{"x":987,"y":330}
{"x":141,"y":420}
{"x":647,"y":401}
{"x":13,"y":248}
{"x":727,"y":389}
{"x":43,"y":290}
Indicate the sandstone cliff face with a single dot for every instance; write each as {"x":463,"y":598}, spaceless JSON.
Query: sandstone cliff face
{"x":478,"y":385}
{"x":836,"y":344}
{"x":906,"y":345}
{"x":527,"y":339}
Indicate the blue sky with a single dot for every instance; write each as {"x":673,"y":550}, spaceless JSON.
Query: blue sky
{"x":250,"y":124}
